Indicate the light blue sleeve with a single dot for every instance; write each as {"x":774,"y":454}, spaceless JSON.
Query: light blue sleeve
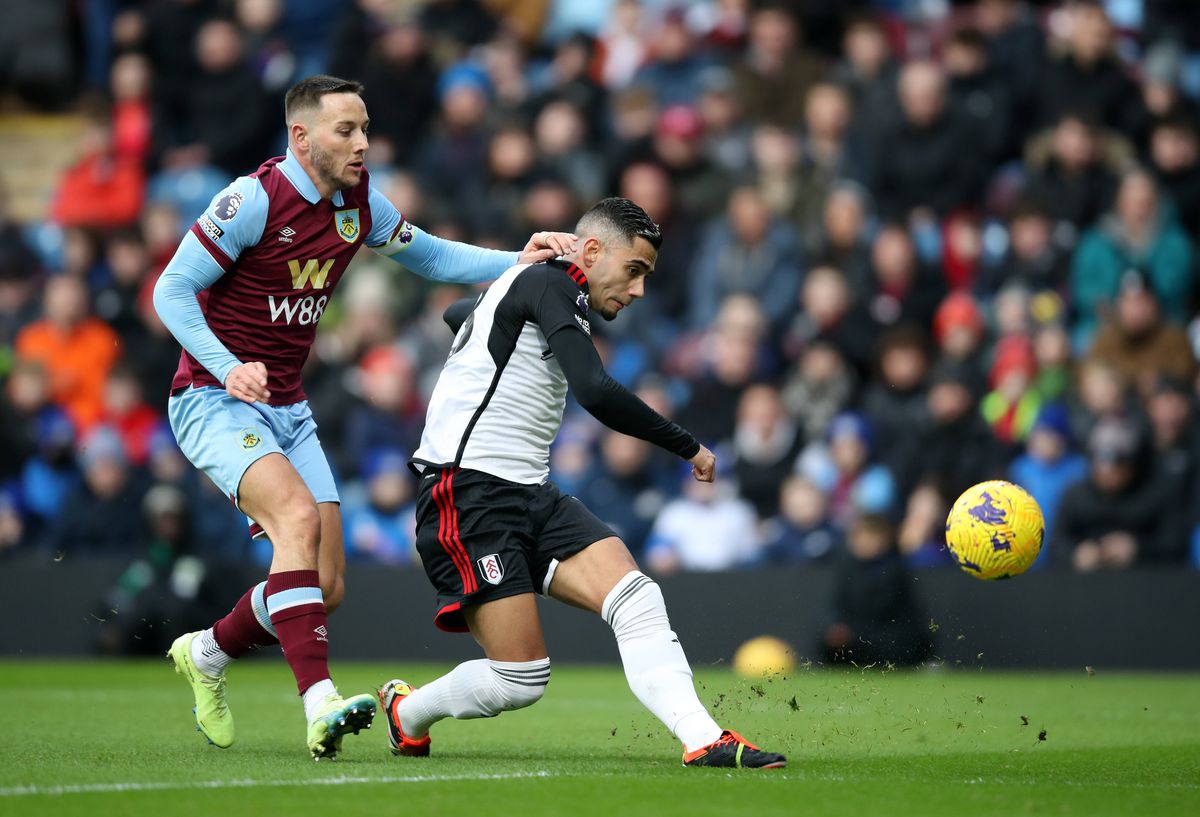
{"x":190,"y":272}
{"x":427,"y":255}
{"x":235,"y":219}
{"x":233,"y":222}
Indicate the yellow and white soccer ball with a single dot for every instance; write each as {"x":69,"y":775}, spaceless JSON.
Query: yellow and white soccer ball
{"x":995,"y":530}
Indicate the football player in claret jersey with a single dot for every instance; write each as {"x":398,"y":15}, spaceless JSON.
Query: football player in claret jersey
{"x":243,"y":296}
{"x":492,"y":531}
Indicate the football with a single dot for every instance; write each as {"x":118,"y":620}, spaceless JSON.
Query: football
{"x":995,"y":530}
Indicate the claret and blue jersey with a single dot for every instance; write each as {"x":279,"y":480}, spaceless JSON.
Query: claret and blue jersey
{"x":255,"y":272}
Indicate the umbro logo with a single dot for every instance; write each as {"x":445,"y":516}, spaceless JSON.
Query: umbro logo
{"x":285,"y":235}
{"x":322,"y":634}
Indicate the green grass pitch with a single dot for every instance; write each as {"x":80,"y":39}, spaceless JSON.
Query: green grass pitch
{"x":100,"y":738}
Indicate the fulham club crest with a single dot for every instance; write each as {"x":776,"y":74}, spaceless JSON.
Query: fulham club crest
{"x":491,"y":568}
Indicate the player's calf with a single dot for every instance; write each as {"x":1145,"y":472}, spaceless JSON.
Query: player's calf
{"x":474,"y":689}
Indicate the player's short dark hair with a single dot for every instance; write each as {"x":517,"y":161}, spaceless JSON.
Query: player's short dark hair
{"x":307,"y":92}
{"x":623,"y":217}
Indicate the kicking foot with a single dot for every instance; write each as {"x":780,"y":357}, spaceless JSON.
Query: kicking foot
{"x":732,"y":751}
{"x":390,"y":696}
{"x":335,"y":718}
{"x":213,"y":718}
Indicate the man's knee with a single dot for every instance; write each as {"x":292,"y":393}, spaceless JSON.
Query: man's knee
{"x":294,"y":523}
{"x":635,"y":607}
{"x":519,"y":684}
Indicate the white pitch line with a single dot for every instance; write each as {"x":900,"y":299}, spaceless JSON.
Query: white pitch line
{"x":109,"y":788}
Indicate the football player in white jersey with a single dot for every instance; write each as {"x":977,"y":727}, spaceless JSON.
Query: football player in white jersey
{"x":493,"y":531}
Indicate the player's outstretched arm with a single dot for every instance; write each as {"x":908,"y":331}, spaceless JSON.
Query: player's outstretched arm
{"x":439,"y":259}
{"x":190,"y":272}
{"x":617,"y":407}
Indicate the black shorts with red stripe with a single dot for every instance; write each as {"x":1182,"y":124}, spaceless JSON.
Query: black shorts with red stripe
{"x":483,"y":538}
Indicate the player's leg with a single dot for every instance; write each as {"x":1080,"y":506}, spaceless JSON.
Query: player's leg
{"x":470,"y":530}
{"x":512,"y":676}
{"x":604,"y":578}
{"x":222,"y":437}
{"x":273,"y":493}
{"x":331,"y":557}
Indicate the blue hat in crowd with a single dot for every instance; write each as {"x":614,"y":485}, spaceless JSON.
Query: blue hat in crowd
{"x":384,"y":461}
{"x":1053,"y":417}
{"x":102,"y":444}
{"x":463,"y":74}
{"x":851,"y":424}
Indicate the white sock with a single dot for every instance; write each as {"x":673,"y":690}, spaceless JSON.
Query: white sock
{"x":207,"y":656}
{"x":314,"y":696}
{"x":474,"y":689}
{"x":655,"y":666}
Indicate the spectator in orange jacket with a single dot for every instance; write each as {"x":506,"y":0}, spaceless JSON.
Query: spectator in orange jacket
{"x":77,"y":350}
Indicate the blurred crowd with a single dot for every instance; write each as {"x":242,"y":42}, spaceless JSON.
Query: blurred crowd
{"x":909,"y":245}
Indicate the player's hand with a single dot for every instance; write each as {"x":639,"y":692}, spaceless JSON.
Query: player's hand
{"x":248,"y":382}
{"x":704,"y":465}
{"x":544,"y":246}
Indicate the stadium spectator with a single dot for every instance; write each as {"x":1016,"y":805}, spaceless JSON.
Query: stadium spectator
{"x":1071,"y":172}
{"x":380,"y":517}
{"x":954,"y":448}
{"x":1049,"y":465}
{"x":1017,"y":53}
{"x":389,"y":411}
{"x":1115,"y":516}
{"x":921,"y":534}
{"x":399,"y":77}
{"x":132,"y":113}
{"x":976,"y":88}
{"x":1138,"y":342}
{"x":927,"y":158}
{"x":818,"y":388}
{"x":166,"y":582}
{"x":1088,"y":74}
{"x":102,"y":515}
{"x":563,"y":145}
{"x":649,"y":185}
{"x":775,"y":72}
{"x":875,"y":619}
{"x":76,"y":349}
{"x":960,"y":332}
{"x":902,"y":289}
{"x":842,"y":237}
{"x":749,"y":252}
{"x":1034,"y":258}
{"x":1137,"y":233}
{"x":868,"y":69}
{"x":1013,"y":402}
{"x":672,"y":72}
{"x":801,"y":532}
{"x":104,"y":188}
{"x":827,"y":313}
{"x":731,"y":360}
{"x":706,"y":528}
{"x":224,"y":120}
{"x":726,"y":129}
{"x":765,"y":445}
{"x":126,"y":413}
{"x":1175,"y":447}
{"x":895,"y":400}
{"x":1175,"y":159}
{"x":842,"y":466}
{"x":626,"y":487}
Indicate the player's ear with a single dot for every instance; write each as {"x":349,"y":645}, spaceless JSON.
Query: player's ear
{"x":298,"y":133}
{"x":592,"y":251}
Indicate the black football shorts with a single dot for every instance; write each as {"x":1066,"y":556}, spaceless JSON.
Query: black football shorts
{"x":483,"y":538}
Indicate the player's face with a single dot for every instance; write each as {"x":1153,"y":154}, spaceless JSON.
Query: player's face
{"x":618,"y":276}
{"x":338,"y":141}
